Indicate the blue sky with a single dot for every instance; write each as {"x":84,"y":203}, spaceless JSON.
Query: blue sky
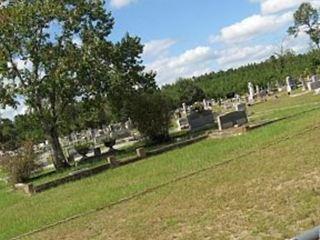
{"x":190,"y":22}
{"x":184,"y":38}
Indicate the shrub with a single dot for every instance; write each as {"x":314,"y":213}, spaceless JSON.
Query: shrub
{"x":151,"y":113}
{"x":83,"y":149}
{"x":197,"y":107}
{"x":109,"y":143}
{"x":20,"y":166}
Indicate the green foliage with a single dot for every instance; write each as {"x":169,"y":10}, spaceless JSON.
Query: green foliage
{"x":185,"y":91}
{"x":19,"y":167}
{"x":130,"y":78}
{"x":24,"y":128}
{"x":151,"y":113}
{"x":58,"y":71}
{"x":8,"y":135}
{"x":89,"y":113}
{"x":76,"y":65}
{"x":83,"y":148}
{"x":197,"y":107}
{"x":218,"y":84}
{"x":28,"y":128}
{"x":306,"y":19}
{"x":109,"y":142}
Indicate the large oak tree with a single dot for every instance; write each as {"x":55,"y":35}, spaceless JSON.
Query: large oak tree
{"x":57,"y":53}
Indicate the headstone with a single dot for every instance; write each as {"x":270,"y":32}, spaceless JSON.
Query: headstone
{"x":97,"y":152}
{"x":317,"y":91}
{"x":314,"y":78}
{"x":141,"y":153}
{"x":205,"y":104}
{"x":237,"y":98}
{"x":269,"y":90}
{"x":313,"y":85}
{"x":237,"y":118}
{"x":183,"y":123}
{"x":129,"y":124}
{"x":184,"y":107}
{"x":199,"y":120}
{"x":227,"y":105}
{"x":257,"y":90}
{"x":71,"y":155}
{"x":251,"y":93}
{"x":26,"y":188}
{"x":263,"y":95}
{"x":303,"y":83}
{"x":240,"y":107}
{"x":288,"y":82}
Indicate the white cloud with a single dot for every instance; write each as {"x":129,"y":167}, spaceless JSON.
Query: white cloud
{"x":238,"y":56}
{"x":157,"y":48}
{"x":204,"y":59}
{"x":275,"y":6}
{"x":300,"y":44}
{"x":121,"y":3}
{"x":192,"y":62}
{"x":251,"y":27}
{"x":10,"y":112}
{"x":240,"y":44}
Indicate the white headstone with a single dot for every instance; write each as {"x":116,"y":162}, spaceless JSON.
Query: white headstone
{"x":288,"y":82}
{"x":251,"y":92}
{"x":257,"y":89}
{"x":184,"y":107}
{"x":205,"y":104}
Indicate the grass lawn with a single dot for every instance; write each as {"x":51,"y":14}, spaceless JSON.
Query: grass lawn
{"x":121,"y":155}
{"x":271,"y":193}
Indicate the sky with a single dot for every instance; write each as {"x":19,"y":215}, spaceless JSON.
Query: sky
{"x":185,"y":38}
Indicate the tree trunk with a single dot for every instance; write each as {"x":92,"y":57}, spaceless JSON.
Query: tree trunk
{"x":59,"y":159}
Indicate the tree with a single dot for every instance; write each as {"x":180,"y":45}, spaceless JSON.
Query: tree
{"x":218,"y":84}
{"x":189,"y":92}
{"x":57,"y":53}
{"x":129,"y":78}
{"x":28,"y":128}
{"x":306,"y":19}
{"x":8,"y":135}
{"x":151,"y":113}
{"x":92,"y":113}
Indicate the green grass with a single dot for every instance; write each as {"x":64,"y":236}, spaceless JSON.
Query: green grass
{"x":20,"y":214}
{"x":122,"y":154}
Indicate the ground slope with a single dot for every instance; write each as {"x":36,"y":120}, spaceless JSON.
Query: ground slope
{"x":269,"y":194}
{"x":269,"y":189}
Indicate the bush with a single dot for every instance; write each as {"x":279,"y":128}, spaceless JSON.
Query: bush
{"x":151,"y":113}
{"x":109,"y":143}
{"x":83,"y":149}
{"x":197,"y":107}
{"x":20,"y":166}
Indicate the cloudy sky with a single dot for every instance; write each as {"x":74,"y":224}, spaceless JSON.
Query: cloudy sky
{"x":184,"y":38}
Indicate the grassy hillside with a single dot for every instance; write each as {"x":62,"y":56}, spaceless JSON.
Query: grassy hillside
{"x":268,"y":190}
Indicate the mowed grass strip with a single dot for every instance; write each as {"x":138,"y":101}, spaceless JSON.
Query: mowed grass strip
{"x":271,"y":194}
{"x":20,"y":214}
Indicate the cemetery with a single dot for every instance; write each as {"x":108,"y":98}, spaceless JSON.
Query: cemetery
{"x":111,"y":137}
{"x":207,"y":153}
